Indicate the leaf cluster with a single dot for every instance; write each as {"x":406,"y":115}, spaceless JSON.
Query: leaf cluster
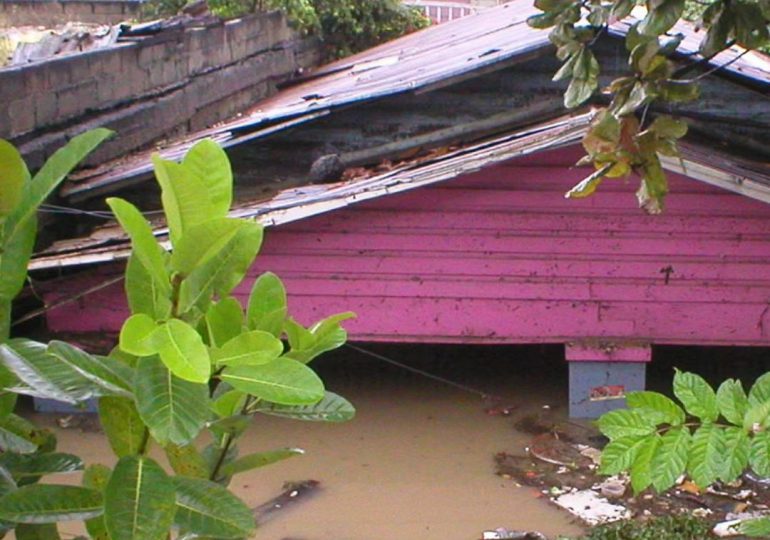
{"x":707,"y":435}
{"x":681,"y":527}
{"x":190,"y":359}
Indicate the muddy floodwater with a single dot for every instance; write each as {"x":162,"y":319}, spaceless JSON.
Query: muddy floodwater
{"x":417,"y":461}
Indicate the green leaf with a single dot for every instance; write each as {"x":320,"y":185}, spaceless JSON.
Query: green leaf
{"x":45,"y":375}
{"x":669,"y":412}
{"x":182,"y":350}
{"x":620,"y":454}
{"x":186,"y":461}
{"x":670,"y":460}
{"x":202,"y":242}
{"x":332,"y":408}
{"x":40,"y":531}
{"x":229,"y":403}
{"x":234,"y":426}
{"x":697,"y":396}
{"x":208,"y":163}
{"x":175,"y":410}
{"x":732,"y":401}
{"x":665,"y":126}
{"x":111,"y":375}
{"x":706,"y":455}
{"x":14,"y":256}
{"x":96,"y":477}
{"x":208,"y":509}
{"x":736,"y":454}
{"x":122,"y":425}
{"x":13,"y":178}
{"x":135,"y":333}
{"x":626,"y":422}
{"x":757,"y":417}
{"x":249,"y":349}
{"x":589,"y":184}
{"x":261,"y":459}
{"x":26,"y":467}
{"x":144,"y":245}
{"x":267,"y":304}
{"x":759,"y":527}
{"x":641,"y":468}
{"x":22,"y":436}
{"x":759,"y":455}
{"x":138,"y":501}
{"x":7,"y":398}
{"x":661,"y":18}
{"x":143,"y":293}
{"x":622,"y":9}
{"x":222,"y":272}
{"x":224,"y":321}
{"x":47,"y":503}
{"x":325,"y":335}
{"x":54,"y":170}
{"x":11,"y":442}
{"x":183,"y":196}
{"x":760,"y":390}
{"x":283,"y":381}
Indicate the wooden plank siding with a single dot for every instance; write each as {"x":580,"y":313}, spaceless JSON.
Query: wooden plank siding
{"x":500,"y":256}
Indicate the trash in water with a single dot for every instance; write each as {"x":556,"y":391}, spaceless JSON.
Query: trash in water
{"x":592,"y":508}
{"x":504,"y":534}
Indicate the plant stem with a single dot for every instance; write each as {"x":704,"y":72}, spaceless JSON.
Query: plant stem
{"x":145,"y":442}
{"x":229,"y":439}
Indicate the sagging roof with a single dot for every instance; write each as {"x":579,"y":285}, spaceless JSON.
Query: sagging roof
{"x":109,"y":243}
{"x":437,"y":56}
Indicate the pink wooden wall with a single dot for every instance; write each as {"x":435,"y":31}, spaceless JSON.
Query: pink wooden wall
{"x":500,"y":256}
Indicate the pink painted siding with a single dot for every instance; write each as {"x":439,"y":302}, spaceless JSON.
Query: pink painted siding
{"x":500,"y":256}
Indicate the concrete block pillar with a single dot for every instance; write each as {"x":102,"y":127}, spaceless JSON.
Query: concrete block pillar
{"x":600,"y":375}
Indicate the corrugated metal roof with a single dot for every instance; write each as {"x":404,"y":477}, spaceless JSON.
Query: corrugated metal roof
{"x":109,"y":243}
{"x":436,"y":56}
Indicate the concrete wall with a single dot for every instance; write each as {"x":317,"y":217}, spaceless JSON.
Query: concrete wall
{"x":163,"y":86}
{"x":50,"y":13}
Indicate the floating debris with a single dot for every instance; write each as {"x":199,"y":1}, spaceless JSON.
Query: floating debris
{"x":504,"y":534}
{"x":591,"y":507}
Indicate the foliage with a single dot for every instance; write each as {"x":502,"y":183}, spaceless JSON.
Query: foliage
{"x":683,"y":527}
{"x":618,"y":143}
{"x":709,"y":435}
{"x":190,"y":359}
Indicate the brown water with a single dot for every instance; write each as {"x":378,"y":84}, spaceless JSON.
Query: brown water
{"x":415,"y":464}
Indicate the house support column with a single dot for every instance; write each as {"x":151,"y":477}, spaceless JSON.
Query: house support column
{"x":600,"y":375}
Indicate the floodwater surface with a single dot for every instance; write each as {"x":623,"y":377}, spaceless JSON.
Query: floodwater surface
{"x":415,"y":464}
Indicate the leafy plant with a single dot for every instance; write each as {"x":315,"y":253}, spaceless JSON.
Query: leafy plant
{"x":709,"y":435}
{"x":618,"y":143}
{"x":190,"y":359}
{"x":658,"y":528}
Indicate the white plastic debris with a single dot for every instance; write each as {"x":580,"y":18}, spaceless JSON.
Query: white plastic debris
{"x":591,"y":508}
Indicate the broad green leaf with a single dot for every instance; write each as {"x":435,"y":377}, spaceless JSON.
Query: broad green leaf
{"x":111,"y":375}
{"x":40,"y":531}
{"x":670,"y":459}
{"x":18,"y":434}
{"x":186,"y":461}
{"x":327,"y":334}
{"x":757,"y":528}
{"x":7,"y":483}
{"x":666,"y":126}
{"x":332,"y":408}
{"x":662,"y":17}
{"x":7,"y":398}
{"x":736,"y":455}
{"x":589,"y":184}
{"x":208,"y":509}
{"x":760,"y":390}
{"x":759,"y":455}
{"x":122,"y":425}
{"x":757,"y":417}
{"x":224,"y":271}
{"x":697,"y":396}
{"x":26,"y":467}
{"x":12,"y":442}
{"x":96,"y":477}
{"x":13,"y":178}
{"x":45,"y":375}
{"x":138,"y":501}
{"x":249,"y":349}
{"x":184,"y":197}
{"x":706,"y":460}
{"x":626,"y":422}
{"x":229,"y":403}
{"x":135,"y":333}
{"x":267,"y":304}
{"x":732,"y":401}
{"x":641,"y":468}
{"x":144,"y":245}
{"x":17,"y":250}
{"x":235,"y":426}
{"x":182,"y":350}
{"x":300,"y":338}
{"x":202,"y":242}
{"x":175,"y":410}
{"x":620,"y":454}
{"x":48,"y":503}
{"x":670,"y":412}
{"x":208,"y":162}
{"x":55,"y":169}
{"x":261,"y":459}
{"x":283,"y":381}
{"x":224,"y":321}
{"x":143,"y":293}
